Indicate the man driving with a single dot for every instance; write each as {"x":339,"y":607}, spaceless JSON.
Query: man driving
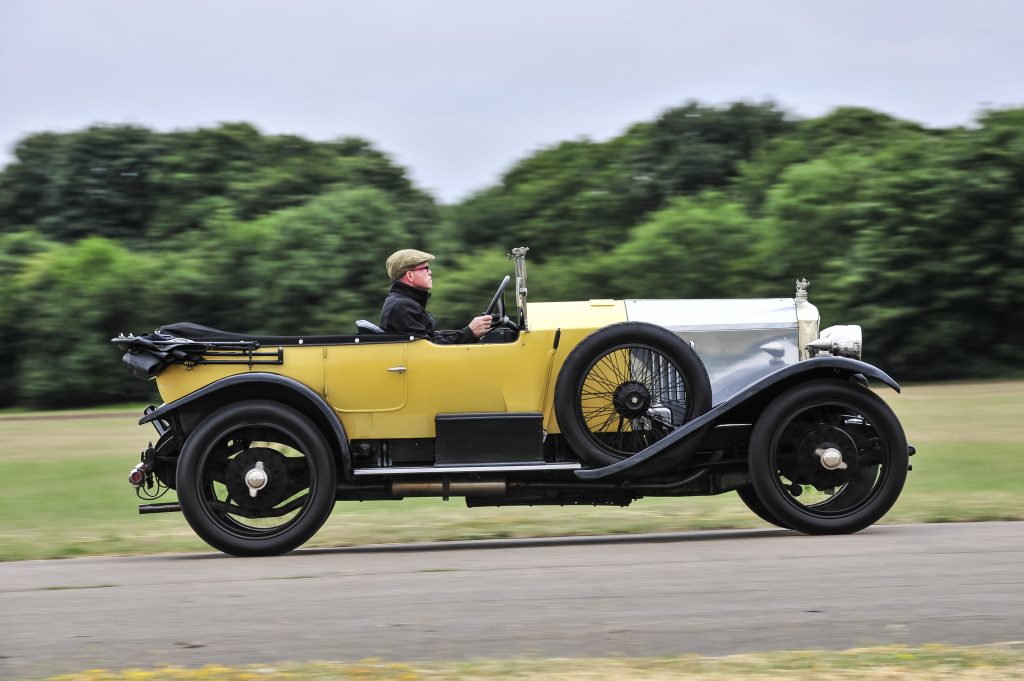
{"x":405,"y":308}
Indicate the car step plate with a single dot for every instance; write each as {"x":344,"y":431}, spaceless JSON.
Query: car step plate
{"x":443,"y":470}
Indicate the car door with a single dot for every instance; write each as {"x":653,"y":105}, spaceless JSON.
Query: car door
{"x":365,"y":377}
{"x":477,"y":377}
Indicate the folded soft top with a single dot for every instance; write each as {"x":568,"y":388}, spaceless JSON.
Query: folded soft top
{"x":198,"y":332}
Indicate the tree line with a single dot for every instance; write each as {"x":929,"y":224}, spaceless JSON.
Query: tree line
{"x":915,"y":233}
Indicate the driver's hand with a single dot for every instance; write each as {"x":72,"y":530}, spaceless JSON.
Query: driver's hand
{"x":480,"y":325}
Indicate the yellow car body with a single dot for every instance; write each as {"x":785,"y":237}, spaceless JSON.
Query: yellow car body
{"x":372,"y":398}
{"x":584,"y":402}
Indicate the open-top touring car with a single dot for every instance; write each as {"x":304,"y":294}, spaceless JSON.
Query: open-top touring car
{"x":588,"y":402}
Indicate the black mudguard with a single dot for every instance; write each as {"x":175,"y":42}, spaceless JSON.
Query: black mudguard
{"x":818,"y":367}
{"x":301,"y":394}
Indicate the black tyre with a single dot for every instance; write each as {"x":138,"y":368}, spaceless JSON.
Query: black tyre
{"x":750,"y":499}
{"x":625,"y":387}
{"x":828,"y":457}
{"x":256,"y":478}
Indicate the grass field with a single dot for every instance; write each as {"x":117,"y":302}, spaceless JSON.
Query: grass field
{"x":64,"y":490}
{"x":926,"y":663}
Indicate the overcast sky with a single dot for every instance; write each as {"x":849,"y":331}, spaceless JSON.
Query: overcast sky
{"x":458,"y":90}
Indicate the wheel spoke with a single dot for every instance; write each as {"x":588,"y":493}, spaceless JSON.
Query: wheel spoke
{"x":602,"y":394}
{"x":631,"y":395}
{"x":618,"y":432}
{"x":660,"y":421}
{"x":616,"y":366}
{"x":590,"y":413}
{"x":604,"y":426}
{"x":599,"y":377}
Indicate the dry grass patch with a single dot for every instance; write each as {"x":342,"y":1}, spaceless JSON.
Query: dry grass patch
{"x":890,"y":663}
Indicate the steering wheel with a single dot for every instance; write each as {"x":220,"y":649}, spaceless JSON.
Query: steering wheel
{"x":497,"y":307}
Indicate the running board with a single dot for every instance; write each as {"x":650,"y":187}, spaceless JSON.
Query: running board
{"x":444,"y":470}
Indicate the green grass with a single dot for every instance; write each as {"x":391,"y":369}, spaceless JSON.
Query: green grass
{"x":25,"y":411}
{"x":64,"y":490}
{"x":925,"y":663}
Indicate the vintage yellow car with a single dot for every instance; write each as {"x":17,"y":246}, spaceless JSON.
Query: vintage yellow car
{"x":585,"y":402}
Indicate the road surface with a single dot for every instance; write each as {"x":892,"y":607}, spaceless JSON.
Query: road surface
{"x":712,"y":593}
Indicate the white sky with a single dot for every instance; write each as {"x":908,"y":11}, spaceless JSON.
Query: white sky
{"x":458,"y":90}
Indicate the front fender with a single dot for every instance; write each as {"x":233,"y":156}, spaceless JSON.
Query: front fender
{"x":268,"y":386}
{"x":818,"y":367}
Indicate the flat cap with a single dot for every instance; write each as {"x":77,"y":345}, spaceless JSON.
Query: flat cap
{"x":404,"y":260}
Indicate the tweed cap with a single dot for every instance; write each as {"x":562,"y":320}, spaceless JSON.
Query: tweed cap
{"x":404,"y":260}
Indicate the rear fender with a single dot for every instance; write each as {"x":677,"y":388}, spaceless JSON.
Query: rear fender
{"x":756,"y":394}
{"x":189,"y":410}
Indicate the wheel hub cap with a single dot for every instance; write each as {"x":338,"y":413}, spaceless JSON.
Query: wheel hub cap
{"x":632,"y":399}
{"x":825,"y":457}
{"x":831,"y":458}
{"x":256,"y":478}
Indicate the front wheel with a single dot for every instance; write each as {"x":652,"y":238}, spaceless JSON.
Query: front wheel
{"x":828,"y":457}
{"x":256,"y":478}
{"x":750,"y":499}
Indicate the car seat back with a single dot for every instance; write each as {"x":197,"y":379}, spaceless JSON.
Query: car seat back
{"x":365,"y":326}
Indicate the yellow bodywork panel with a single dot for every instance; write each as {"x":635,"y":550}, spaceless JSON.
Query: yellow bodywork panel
{"x":394,"y":390}
{"x":366,"y":377}
{"x":576,"y":320}
{"x":305,"y":364}
{"x":445,"y":379}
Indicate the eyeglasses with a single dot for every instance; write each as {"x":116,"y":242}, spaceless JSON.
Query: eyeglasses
{"x":421,"y":267}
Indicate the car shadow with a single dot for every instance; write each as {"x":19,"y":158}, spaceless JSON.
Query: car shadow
{"x":526,"y":542}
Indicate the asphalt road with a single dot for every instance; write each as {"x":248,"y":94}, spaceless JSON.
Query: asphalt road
{"x":703,"y":592}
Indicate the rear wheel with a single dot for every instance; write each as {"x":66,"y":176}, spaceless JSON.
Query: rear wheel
{"x":828,"y":457}
{"x":256,"y":478}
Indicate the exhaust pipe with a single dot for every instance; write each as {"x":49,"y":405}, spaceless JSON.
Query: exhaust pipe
{"x":448,"y":488}
{"x":159,"y":508}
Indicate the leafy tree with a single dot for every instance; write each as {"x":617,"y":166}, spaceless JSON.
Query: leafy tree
{"x":127,"y":182}
{"x":811,"y":216}
{"x":23,"y":184}
{"x":570,"y":198}
{"x":845,"y":131}
{"x":197,"y":172}
{"x":75,"y":299}
{"x":694,"y":147}
{"x":16,"y":249}
{"x":583,"y":195}
{"x":311,"y":269}
{"x":917,"y":234}
{"x":936,"y":269}
{"x":102,"y":183}
{"x":693,"y":248}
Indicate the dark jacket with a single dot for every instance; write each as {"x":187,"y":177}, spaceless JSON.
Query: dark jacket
{"x":405,"y":311}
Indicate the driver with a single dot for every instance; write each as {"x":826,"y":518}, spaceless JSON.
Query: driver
{"x":405,"y":308}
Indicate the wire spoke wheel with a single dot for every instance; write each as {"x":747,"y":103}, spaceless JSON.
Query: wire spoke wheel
{"x":626,"y":387}
{"x":632,"y":396}
{"x":258,"y":479}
